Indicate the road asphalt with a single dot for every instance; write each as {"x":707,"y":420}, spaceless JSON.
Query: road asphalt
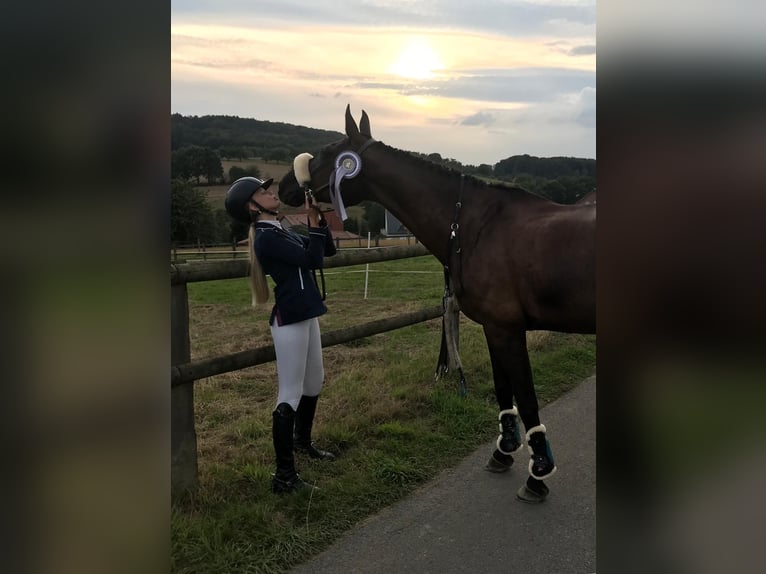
{"x":469,"y":520}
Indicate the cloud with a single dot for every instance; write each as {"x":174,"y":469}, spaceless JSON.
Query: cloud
{"x":479,"y":119}
{"x":586,"y":105}
{"x":588,"y":50}
{"x":506,"y":86}
{"x":504,"y":17}
{"x":520,"y":85}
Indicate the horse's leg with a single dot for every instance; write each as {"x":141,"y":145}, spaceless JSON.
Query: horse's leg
{"x":513,"y":378}
{"x":509,"y":440}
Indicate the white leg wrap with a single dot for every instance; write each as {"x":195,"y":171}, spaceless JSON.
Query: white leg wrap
{"x":515,"y":412}
{"x":539,"y":428}
{"x":497,"y":443}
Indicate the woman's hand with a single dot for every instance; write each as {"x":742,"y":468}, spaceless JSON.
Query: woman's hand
{"x":314,"y":214}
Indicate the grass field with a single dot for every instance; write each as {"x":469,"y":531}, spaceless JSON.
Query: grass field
{"x":392,"y":425}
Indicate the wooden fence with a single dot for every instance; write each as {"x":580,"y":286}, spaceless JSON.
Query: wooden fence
{"x":184,"y":371}
{"x":218,"y":251}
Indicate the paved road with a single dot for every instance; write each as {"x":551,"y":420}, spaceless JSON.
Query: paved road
{"x":468,"y":520}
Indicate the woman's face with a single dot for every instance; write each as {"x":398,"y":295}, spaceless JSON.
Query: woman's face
{"x":267,"y":198}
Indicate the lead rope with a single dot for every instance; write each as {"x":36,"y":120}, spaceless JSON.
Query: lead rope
{"x":307,"y":191}
{"x":449,"y":355}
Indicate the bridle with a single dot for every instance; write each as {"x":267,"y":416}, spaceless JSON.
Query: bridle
{"x":348,"y":154}
{"x":348,"y":164}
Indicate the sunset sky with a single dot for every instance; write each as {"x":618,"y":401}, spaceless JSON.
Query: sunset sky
{"x":474,"y":81}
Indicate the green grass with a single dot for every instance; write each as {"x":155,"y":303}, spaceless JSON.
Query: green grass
{"x":393,"y":425}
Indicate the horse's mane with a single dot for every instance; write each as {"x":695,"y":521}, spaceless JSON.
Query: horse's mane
{"x":454,"y":173}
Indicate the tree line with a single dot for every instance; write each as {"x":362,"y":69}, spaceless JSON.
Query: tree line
{"x":241,"y":138}
{"x":199,"y":143}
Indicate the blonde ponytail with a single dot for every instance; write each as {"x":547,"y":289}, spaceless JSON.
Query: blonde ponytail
{"x":258,"y":286}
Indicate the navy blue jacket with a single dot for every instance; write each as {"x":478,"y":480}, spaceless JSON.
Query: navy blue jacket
{"x":289,"y":258}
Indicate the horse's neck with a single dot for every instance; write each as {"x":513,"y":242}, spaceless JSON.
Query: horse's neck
{"x":422,"y":199}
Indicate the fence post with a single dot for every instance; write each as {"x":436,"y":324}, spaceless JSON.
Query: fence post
{"x":367,"y":269}
{"x":183,"y":437}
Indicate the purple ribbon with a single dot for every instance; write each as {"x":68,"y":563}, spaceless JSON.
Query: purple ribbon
{"x":347,"y":166}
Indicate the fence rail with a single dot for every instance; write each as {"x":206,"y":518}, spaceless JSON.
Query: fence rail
{"x":231,"y":268}
{"x":218,"y":251}
{"x":184,"y":371}
{"x":189,"y":372}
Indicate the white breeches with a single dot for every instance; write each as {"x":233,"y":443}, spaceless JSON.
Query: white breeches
{"x":299,"y":360}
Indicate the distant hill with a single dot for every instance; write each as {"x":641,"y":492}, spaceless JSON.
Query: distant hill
{"x":246,"y":137}
{"x":547,"y":167}
{"x":563,"y":179}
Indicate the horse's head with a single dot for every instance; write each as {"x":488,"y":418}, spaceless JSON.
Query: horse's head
{"x":332,"y":161}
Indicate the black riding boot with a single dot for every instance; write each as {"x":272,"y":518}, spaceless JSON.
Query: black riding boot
{"x":304,"y":420}
{"x":285,"y":479}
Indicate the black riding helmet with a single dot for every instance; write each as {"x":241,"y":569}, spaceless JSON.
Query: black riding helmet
{"x":240,"y":193}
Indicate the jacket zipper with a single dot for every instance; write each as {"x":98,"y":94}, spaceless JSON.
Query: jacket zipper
{"x":301,"y":279}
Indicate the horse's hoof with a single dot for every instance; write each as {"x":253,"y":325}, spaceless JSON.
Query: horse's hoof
{"x":530,"y":496}
{"x":499,"y":462}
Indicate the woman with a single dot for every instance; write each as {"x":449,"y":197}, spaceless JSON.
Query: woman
{"x":289,"y":259}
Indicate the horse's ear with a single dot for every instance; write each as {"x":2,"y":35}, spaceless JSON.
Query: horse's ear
{"x":351,"y":129}
{"x":364,"y":125}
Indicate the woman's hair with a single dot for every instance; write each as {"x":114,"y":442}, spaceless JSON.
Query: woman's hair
{"x":258,"y":285}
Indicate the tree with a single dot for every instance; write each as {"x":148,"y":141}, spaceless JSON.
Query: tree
{"x":577,"y":186}
{"x":181,"y":164}
{"x":555,"y":191}
{"x":235,"y":172}
{"x":187,"y":162}
{"x":228,"y":230}
{"x":484,"y":170}
{"x":279,"y":154}
{"x":238,"y":230}
{"x":196,"y":161}
{"x":191,"y":217}
{"x":375,"y":216}
{"x":351,"y":225}
{"x":211,"y":166}
{"x":233,"y":152}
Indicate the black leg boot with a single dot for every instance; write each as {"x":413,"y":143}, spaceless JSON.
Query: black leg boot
{"x":304,"y":420}
{"x":541,"y":463}
{"x":508,"y":441}
{"x":541,"y":466}
{"x":285,"y":479}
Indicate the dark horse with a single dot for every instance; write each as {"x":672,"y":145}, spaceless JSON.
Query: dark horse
{"x":518,"y":262}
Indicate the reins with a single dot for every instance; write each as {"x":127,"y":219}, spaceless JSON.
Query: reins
{"x":310,"y":194}
{"x":449,"y":353}
{"x":453,"y":244}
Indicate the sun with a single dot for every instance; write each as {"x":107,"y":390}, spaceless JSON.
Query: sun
{"x":417,"y":60}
